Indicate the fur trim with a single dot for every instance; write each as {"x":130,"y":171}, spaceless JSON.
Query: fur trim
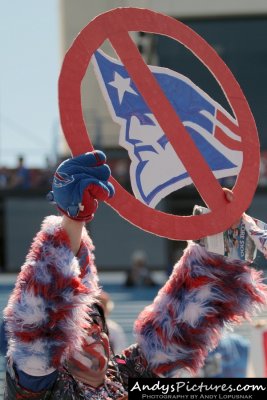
{"x":205,"y":292}
{"x":47,"y":313}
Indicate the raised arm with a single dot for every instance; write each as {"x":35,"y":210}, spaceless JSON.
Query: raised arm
{"x":204,"y":294}
{"x":74,"y":231}
{"x":49,"y":314}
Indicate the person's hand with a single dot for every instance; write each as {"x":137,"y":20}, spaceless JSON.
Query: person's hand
{"x":79,"y":183}
{"x":229,"y":195}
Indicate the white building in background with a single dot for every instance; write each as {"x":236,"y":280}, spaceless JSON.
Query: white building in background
{"x":75,"y":15}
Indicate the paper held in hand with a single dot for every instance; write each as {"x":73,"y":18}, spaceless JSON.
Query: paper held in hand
{"x":234,"y":243}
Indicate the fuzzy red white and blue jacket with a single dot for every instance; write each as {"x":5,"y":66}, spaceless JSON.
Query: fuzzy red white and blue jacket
{"x":48,"y":314}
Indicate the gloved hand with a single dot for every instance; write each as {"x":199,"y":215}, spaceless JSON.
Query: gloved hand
{"x":79,"y":183}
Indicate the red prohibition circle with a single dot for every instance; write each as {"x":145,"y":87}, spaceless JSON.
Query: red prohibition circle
{"x":115,"y":25}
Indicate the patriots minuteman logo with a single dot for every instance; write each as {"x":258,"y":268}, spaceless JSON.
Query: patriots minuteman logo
{"x":156,"y":170}
{"x":61,"y":179}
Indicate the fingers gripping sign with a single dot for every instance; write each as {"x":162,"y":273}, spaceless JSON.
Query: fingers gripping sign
{"x":115,"y":25}
{"x":79,"y":183}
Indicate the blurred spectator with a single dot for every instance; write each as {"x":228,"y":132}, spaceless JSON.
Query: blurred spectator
{"x":259,"y":348}
{"x":121,"y":171}
{"x":139,"y":274}
{"x":3,"y":178}
{"x":230,"y":359}
{"x":263,"y":169}
{"x":21,"y":178}
{"x":117,"y":335}
{"x":42,"y":178}
{"x":48,"y":172}
{"x":3,"y":339}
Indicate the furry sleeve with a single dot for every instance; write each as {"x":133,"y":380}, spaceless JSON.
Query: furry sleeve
{"x":47,"y":313}
{"x":205,"y":292}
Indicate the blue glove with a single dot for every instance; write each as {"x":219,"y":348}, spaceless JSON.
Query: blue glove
{"x":79,"y":183}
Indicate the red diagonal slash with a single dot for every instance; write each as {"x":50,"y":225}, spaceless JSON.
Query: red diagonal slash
{"x":183,"y":144}
{"x":115,"y":25}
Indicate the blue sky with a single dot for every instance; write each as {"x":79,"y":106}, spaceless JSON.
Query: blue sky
{"x":29,"y":69}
